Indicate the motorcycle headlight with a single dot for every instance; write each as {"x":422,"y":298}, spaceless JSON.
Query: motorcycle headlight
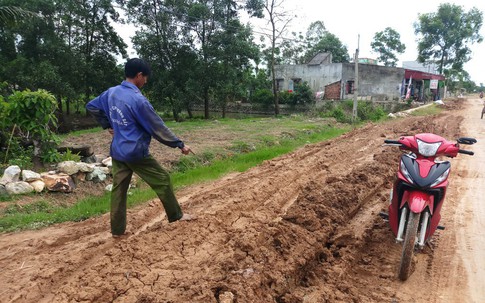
{"x":406,"y":173}
{"x":428,"y":149}
{"x":441,"y":178}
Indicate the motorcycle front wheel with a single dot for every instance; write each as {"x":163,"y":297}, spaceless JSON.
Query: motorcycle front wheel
{"x":408,"y":246}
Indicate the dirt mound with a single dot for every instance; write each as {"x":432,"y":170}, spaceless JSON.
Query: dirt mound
{"x":300,"y":228}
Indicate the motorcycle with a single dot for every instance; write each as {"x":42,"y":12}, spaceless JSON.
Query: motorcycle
{"x":419,"y":191}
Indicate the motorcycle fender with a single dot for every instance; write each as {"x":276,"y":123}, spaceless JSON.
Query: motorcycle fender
{"x":418,"y":201}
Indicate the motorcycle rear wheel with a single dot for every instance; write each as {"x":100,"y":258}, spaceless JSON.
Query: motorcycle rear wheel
{"x":408,"y":246}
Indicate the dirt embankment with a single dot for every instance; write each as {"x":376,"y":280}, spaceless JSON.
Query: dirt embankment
{"x":300,"y":228}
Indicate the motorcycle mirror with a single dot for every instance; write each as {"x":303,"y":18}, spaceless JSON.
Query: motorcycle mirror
{"x":466,"y":140}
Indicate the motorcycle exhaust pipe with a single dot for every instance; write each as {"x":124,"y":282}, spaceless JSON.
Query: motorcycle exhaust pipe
{"x":402,"y":223}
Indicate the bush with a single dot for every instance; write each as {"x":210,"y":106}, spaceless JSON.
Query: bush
{"x":367,"y":111}
{"x":343,"y":111}
{"x":30,"y":117}
{"x":302,"y":95}
{"x":285,"y":97}
{"x":263,"y":96}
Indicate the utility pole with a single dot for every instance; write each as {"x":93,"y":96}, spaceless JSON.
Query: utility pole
{"x":356,"y":82}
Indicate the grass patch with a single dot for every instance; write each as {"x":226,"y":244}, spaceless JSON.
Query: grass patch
{"x":204,"y":167}
{"x":433,"y":109}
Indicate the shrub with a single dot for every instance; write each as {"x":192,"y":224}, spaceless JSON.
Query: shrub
{"x":30,"y":117}
{"x":302,"y":95}
{"x":263,"y":96}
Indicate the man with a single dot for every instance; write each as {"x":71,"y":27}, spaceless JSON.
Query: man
{"x":132,"y":121}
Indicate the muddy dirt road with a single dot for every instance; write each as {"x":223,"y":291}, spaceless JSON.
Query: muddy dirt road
{"x":299,"y":228}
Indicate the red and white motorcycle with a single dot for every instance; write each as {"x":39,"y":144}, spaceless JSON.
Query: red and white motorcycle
{"x":419,"y":191}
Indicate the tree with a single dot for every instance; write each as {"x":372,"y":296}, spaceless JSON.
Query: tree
{"x":446,"y":35}
{"x":317,"y":39}
{"x":13,"y":15}
{"x":70,"y":51}
{"x":194,"y":47}
{"x":293,"y":50}
{"x":386,"y":44}
{"x":327,"y":43}
{"x":279,"y":19}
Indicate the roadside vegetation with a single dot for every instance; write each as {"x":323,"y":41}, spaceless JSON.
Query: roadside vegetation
{"x":433,"y":109}
{"x":282,"y":136}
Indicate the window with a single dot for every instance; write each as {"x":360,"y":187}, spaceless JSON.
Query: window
{"x":350,"y":87}
{"x":279,"y":84}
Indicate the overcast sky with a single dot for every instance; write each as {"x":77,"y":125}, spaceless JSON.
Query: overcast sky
{"x":349,"y":19}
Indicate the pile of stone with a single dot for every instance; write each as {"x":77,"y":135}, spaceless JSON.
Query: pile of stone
{"x":64,"y":178}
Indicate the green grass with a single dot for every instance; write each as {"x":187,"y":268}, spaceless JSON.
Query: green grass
{"x":81,"y":132}
{"x":433,"y":109}
{"x":207,"y":167}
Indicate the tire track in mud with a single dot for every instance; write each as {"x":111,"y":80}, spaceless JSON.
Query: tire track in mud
{"x":242,"y":218}
{"x":302,"y":227}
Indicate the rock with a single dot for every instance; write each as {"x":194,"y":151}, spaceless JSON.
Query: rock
{"x":101,"y":157}
{"x":29,"y":176}
{"x":105,"y":170}
{"x":97,"y":175}
{"x":59,"y":183}
{"x":18,"y":188}
{"x":11,"y":174}
{"x":68,"y":167}
{"x":226,"y":297}
{"x":90,"y":159}
{"x":85,"y":167}
{"x":108,"y":187}
{"x":80,"y":176}
{"x":3,"y":191}
{"x":107,"y":162}
{"x":38,"y":185}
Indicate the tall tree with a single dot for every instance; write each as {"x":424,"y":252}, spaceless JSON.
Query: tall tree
{"x":70,"y":50}
{"x":447,"y":34}
{"x":194,"y":45}
{"x":13,"y":14}
{"x":327,"y":43}
{"x":279,"y":19}
{"x":316,"y":40}
{"x":387,"y":43}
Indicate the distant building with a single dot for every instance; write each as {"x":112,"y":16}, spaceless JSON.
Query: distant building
{"x":431,"y":68}
{"x":336,"y":81}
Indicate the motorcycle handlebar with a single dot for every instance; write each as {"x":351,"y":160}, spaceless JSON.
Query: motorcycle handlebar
{"x":391,"y":141}
{"x":466,"y":152}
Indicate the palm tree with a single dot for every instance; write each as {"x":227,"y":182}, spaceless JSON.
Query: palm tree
{"x":13,"y":14}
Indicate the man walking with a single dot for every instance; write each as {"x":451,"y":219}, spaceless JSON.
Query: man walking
{"x":132,"y":121}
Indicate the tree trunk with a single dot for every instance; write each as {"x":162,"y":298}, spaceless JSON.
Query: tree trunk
{"x":176,"y":116}
{"x":206,"y":103}
{"x":189,"y":111}
{"x":68,"y":106}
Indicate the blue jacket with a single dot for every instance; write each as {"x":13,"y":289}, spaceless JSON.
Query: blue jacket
{"x":134,"y":121}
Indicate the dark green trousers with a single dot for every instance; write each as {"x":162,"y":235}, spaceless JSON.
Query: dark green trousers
{"x":155,"y":176}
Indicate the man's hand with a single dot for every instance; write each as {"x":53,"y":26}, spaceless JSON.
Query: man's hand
{"x":111,"y":131}
{"x":186,"y":150}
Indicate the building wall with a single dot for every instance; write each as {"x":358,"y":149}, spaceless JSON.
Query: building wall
{"x":379,"y":83}
{"x":317,"y":76}
{"x":333,"y":91}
